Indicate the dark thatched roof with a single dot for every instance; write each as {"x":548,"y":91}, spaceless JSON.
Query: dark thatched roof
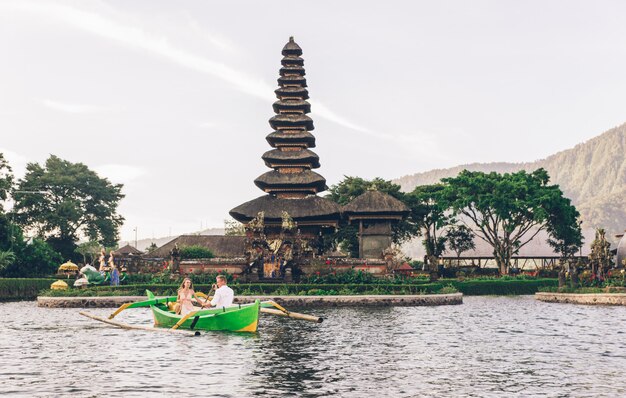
{"x":297,"y":79}
{"x":292,"y":48}
{"x":221,"y":246}
{"x":126,"y":250}
{"x":295,"y":137}
{"x":291,"y":60}
{"x":291,"y":120}
{"x":305,"y":179}
{"x":304,"y":156}
{"x":310,"y":208}
{"x":292,"y":69}
{"x":291,"y":106}
{"x":376,"y":203}
{"x":297,"y":92}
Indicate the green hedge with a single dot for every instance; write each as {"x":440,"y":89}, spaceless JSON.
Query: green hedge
{"x":255,"y":289}
{"x":468,"y":287}
{"x":22,"y":288}
{"x":27,"y":289}
{"x":502,"y":287}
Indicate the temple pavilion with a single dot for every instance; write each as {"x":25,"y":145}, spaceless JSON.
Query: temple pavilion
{"x":291,"y":185}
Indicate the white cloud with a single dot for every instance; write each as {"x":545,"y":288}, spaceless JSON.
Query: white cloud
{"x":217,"y":41}
{"x":321,"y":110}
{"x":119,"y":173}
{"x":158,"y":45}
{"x":207,"y":125}
{"x":72,"y":108}
{"x":136,"y":37}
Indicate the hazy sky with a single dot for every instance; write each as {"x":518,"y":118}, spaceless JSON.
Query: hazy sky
{"x":172,"y":98}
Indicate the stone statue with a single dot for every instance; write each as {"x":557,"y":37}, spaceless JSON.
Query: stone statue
{"x":175,"y":259}
{"x":91,"y":276}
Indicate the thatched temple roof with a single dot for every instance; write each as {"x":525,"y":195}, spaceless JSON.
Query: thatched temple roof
{"x":376,"y":203}
{"x":126,"y":250}
{"x":221,"y":246}
{"x":291,"y":121}
{"x":303,"y":157}
{"x":290,"y":137}
{"x":307,"y":209}
{"x":307,"y":180}
{"x":295,"y":92}
{"x":293,"y":105}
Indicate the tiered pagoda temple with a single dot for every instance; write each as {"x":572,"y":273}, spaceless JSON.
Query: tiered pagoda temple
{"x":291,"y":186}
{"x":285,"y":228}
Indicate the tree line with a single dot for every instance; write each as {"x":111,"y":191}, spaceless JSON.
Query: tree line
{"x":505,"y":210}
{"x":54,"y":205}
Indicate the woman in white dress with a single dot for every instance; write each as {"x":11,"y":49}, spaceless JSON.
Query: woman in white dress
{"x":185,"y":294}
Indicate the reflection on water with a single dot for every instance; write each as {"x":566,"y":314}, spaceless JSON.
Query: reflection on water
{"x":489,"y":346}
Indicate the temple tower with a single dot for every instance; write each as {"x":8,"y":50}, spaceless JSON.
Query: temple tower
{"x":291,"y":186}
{"x":291,"y":160}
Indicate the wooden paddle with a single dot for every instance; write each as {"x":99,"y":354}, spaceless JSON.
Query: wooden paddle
{"x":117,"y":311}
{"x":207,"y":296}
{"x":183,"y":319}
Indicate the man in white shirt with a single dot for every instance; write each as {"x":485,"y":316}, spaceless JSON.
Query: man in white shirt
{"x":223,"y":296}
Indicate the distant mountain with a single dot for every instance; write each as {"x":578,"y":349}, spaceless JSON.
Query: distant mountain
{"x":592,"y":175}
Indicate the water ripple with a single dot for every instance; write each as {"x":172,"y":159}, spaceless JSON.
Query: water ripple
{"x":488,"y":347}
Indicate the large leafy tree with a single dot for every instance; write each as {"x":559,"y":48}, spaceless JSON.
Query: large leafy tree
{"x":565,"y":235}
{"x":460,"y":239}
{"x":429,"y":214}
{"x":63,"y":201}
{"x":508,"y":210}
{"x":20,"y":257}
{"x":31,"y":257}
{"x":351,"y":187}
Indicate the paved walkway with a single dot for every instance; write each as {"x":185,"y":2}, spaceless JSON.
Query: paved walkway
{"x":292,"y":301}
{"x":588,"y":299}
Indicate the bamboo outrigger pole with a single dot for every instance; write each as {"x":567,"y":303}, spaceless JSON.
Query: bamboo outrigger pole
{"x":282,"y":311}
{"x":294,"y":315}
{"x":132,"y":327}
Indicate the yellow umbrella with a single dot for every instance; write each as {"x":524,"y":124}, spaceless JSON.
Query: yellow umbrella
{"x":59,"y":285}
{"x":68,"y":267}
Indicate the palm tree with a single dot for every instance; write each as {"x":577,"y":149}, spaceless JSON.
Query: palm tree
{"x":6,"y":258}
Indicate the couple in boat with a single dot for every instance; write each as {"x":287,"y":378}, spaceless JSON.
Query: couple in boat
{"x":223,"y":296}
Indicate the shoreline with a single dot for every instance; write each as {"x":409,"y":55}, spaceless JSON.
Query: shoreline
{"x":583,"y":298}
{"x":294,"y":301}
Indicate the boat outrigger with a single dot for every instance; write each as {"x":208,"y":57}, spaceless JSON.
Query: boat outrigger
{"x":235,"y":318}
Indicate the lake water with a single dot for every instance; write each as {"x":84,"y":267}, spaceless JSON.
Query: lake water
{"x":487,"y":347}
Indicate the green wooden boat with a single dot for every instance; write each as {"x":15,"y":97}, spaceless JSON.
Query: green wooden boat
{"x":236,"y":318}
{"x":240,"y":318}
